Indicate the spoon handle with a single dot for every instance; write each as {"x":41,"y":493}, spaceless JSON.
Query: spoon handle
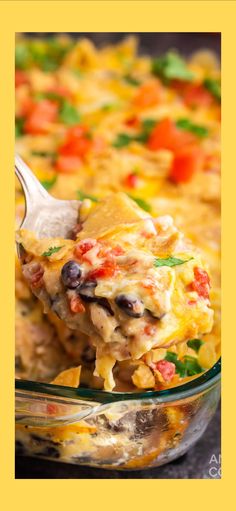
{"x":33,"y":190}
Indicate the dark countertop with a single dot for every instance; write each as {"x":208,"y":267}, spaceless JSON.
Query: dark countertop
{"x":154,"y":43}
{"x":201,"y":462}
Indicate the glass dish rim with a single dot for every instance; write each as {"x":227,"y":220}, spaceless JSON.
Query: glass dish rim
{"x":195,"y":386}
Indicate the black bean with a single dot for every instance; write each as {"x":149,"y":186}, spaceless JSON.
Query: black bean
{"x":86,"y":291}
{"x":71,"y":274}
{"x":131,"y":305}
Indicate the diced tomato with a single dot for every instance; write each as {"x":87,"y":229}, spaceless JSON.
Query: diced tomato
{"x":76,"y":304}
{"x":133,"y":122}
{"x":148,"y":94}
{"x":166,"y":135}
{"x":117,"y":251}
{"x":42,"y":114}
{"x":76,"y":147}
{"x":201,"y":284}
{"x":77,"y":142}
{"x":196,"y":96}
{"x":166,"y":368}
{"x":192,"y":302}
{"x":84,"y":246}
{"x":150,"y":330}
{"x":20,"y":77}
{"x":186,"y":163}
{"x":107,"y":269}
{"x":131,"y":180}
{"x":68,"y":164}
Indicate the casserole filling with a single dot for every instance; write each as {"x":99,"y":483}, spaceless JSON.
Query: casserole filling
{"x":129,"y":281}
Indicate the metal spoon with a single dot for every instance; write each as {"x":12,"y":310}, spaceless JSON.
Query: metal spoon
{"x":46,"y":216}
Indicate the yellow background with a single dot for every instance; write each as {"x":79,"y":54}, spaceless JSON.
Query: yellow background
{"x":124,"y":16}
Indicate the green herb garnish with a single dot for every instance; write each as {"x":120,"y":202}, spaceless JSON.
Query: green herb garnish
{"x":19,"y":127}
{"x":131,"y":80}
{"x":192,"y":366}
{"x":68,"y":114}
{"x":141,"y":203}
{"x":213,"y":86}
{"x":44,"y":154}
{"x":48,"y":95}
{"x":81,"y":196}
{"x":147,"y":127}
{"x":22,"y":56}
{"x":189,"y":366}
{"x":46,"y":54}
{"x":51,"y":250}
{"x":197,"y":129}
{"x":109,"y":107}
{"x":195,"y":344}
{"x":48,"y":184}
{"x":179,"y":366}
{"x":169,"y":261}
{"x":171,"y":67}
{"x":122,"y":140}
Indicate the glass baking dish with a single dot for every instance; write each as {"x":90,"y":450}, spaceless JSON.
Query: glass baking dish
{"x":110,"y":429}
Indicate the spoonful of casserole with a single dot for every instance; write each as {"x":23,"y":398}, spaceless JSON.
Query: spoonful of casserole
{"x":129,"y":281}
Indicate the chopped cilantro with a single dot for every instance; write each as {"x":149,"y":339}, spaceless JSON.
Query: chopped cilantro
{"x":22,"y":56}
{"x":19,"y":126}
{"x":192,"y":366}
{"x":147,"y":127}
{"x":179,"y":366}
{"x":171,"y":67}
{"x":141,"y":203}
{"x":81,"y":196}
{"x":189,"y":366}
{"x":122,"y":140}
{"x":109,"y":107}
{"x":48,"y":184}
{"x":68,"y":113}
{"x":51,"y":250}
{"x":44,"y":154}
{"x":195,"y":344}
{"x":131,"y":80}
{"x":213,"y":86}
{"x":49,"y":95}
{"x":148,"y":124}
{"x":197,"y":129}
{"x":46,"y":54}
{"x":169,"y":261}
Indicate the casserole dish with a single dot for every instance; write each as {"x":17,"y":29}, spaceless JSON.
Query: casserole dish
{"x":83,"y":426}
{"x":113,"y":430}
